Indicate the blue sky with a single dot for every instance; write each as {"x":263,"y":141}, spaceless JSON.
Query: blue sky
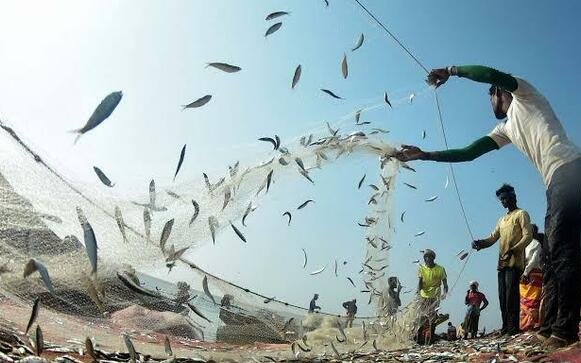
{"x":61,"y":59}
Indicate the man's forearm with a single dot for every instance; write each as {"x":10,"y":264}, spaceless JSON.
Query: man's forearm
{"x":477,"y":148}
{"x":485,"y":74}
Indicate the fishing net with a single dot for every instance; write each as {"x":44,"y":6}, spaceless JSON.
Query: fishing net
{"x":45,"y":216}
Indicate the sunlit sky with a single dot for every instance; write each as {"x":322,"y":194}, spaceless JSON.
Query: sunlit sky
{"x":58,"y":60}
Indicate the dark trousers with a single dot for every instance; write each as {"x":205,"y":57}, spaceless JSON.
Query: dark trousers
{"x":508,"y":294}
{"x":562,"y":272}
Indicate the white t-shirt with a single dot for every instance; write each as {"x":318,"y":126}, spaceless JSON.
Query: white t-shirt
{"x":535,"y":130}
{"x":532,"y":256}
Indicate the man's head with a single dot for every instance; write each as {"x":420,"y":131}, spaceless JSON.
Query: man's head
{"x":316,"y":296}
{"x":392,"y":282}
{"x":500,"y":101}
{"x":507,"y":196}
{"x":473,"y":286}
{"x":429,"y":257}
{"x":449,"y":323}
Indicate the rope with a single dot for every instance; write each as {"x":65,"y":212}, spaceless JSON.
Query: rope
{"x":441,"y":122}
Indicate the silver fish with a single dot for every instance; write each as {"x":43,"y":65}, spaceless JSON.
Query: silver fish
{"x":374,"y":187}
{"x":167,"y":346}
{"x":299,"y":162}
{"x":375,"y":344}
{"x":196,"y":211}
{"x":424,"y":134}
{"x":330,"y":93}
{"x":344,"y":67}
{"x":173,"y":194}
{"x":304,"y":258}
{"x":38,"y":341}
{"x":276,"y":14}
{"x":207,"y":289}
{"x":351,"y":281}
{"x":431,"y":199}
{"x":33,"y":266}
{"x":306,"y":175}
{"x":165,"y":233}
{"x":410,"y":186}
{"x":402,"y":216}
{"x":420,"y":234}
{"x":152,"y":194}
{"x":361,"y":181}
{"x":290,"y":217}
{"x":103,"y":177}
{"x":101,"y":113}
{"x":335,"y":269}
{"x":335,"y":350}
{"x":296,"y":76}
{"x":198,"y":103}
{"x":180,"y":161}
{"x":233,"y":170}
{"x":386,"y":99}
{"x":271,"y":140}
{"x":213,"y":224}
{"x":269,"y":180}
{"x":316,"y":272}
{"x":331,"y":131}
{"x":304,"y":204}
{"x":227,"y":197}
{"x":249,"y":209}
{"x":90,"y":240}
{"x":120,"y":223}
{"x":207,"y":182}
{"x":198,"y":312}
{"x":359,"y":43}
{"x":238,"y":233}
{"x":130,"y":348}
{"x":33,"y":314}
{"x":147,"y":223}
{"x":273,"y":28}
{"x":225,"y":67}
{"x":282,"y":161}
{"x":381,"y":130}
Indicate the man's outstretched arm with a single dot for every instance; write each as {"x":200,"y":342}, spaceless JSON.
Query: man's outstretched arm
{"x":476,"y":73}
{"x":477,"y":148}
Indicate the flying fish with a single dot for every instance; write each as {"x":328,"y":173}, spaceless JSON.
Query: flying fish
{"x":330,"y":93}
{"x":103,"y":177}
{"x":296,"y":76}
{"x":225,"y":67}
{"x":359,"y":42}
{"x":273,"y":28}
{"x":180,"y":161}
{"x":238,"y":233}
{"x":101,"y":113}
{"x":198,"y":103}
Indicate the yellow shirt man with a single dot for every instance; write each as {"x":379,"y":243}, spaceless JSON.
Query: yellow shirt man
{"x":432,"y":278}
{"x":515,"y":232}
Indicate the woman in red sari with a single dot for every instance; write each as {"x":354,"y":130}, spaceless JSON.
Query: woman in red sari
{"x":531,"y":284}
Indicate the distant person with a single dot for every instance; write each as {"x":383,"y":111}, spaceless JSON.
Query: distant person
{"x":460,"y":333}
{"x":351,"y":307}
{"x":393,"y":301}
{"x":430,"y":277}
{"x":531,"y":284}
{"x":313,"y":304}
{"x":533,"y":127}
{"x":451,"y":332}
{"x":476,"y":302}
{"x":514,"y":230}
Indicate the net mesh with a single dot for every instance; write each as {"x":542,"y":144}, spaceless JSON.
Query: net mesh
{"x":43,"y":218}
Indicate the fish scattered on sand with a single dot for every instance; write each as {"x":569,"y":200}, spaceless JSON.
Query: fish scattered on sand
{"x":345,"y":67}
{"x":173,"y":194}
{"x":359,"y":42}
{"x":102,"y":177}
{"x":196,"y":211}
{"x":180,"y":161}
{"x":238,"y":233}
{"x":198,"y":103}
{"x":101,"y":113}
{"x":316,"y":272}
{"x":36,"y":266}
{"x":33,"y":314}
{"x":227,"y":198}
{"x":304,"y":257}
{"x":120,"y":223}
{"x":296,"y":76}
{"x":331,"y":93}
{"x":305,"y":203}
{"x":224,"y":67}
{"x":207,"y":289}
{"x":276,"y":14}
{"x":432,"y":198}
{"x":273,"y":28}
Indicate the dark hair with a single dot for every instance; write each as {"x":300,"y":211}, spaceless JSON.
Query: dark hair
{"x":505,"y":188}
{"x":535,"y":229}
{"x":492,"y":90}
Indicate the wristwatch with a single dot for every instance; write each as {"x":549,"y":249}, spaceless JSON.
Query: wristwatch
{"x":452,"y":70}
